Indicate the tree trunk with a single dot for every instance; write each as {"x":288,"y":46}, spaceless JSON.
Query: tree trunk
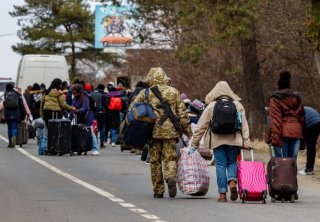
{"x":317,"y":60}
{"x":73,"y":74}
{"x":255,"y":98}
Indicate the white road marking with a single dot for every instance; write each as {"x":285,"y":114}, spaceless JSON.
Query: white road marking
{"x":95,"y":189}
{"x":127,"y":205}
{"x":138,"y":210}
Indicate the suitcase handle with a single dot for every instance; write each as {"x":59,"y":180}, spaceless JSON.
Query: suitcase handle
{"x":271,"y":148}
{"x":251,"y":152}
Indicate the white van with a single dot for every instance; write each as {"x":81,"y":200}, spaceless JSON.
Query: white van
{"x":41,"y":69}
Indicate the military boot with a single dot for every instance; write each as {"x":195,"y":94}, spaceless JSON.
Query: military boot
{"x":172,"y":187}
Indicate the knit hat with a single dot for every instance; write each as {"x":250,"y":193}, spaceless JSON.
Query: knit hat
{"x":284,"y":80}
{"x":87,"y":87}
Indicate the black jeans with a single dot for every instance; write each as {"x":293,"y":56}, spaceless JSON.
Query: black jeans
{"x":311,"y":137}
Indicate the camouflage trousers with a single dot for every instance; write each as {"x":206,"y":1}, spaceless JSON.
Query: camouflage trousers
{"x":162,"y":151}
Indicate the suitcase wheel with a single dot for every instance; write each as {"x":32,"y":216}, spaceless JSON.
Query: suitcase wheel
{"x":292,"y":199}
{"x":273,"y":200}
{"x":265,"y":195}
{"x":121,"y":149}
{"x":20,"y":145}
{"x":243,"y":196}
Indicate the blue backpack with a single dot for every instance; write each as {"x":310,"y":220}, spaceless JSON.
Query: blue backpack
{"x":140,"y":122}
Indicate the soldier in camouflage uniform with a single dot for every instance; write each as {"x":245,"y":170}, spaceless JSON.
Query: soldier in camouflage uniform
{"x":164,"y":137}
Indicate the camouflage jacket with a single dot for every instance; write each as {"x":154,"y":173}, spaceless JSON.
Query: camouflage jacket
{"x":157,"y":76}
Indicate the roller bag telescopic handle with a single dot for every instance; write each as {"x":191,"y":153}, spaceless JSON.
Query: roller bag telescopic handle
{"x":270,"y":151}
{"x":251,"y":152}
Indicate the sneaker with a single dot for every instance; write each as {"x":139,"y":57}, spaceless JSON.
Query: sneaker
{"x":172,"y":187}
{"x":113,"y":144}
{"x":306,"y":172}
{"x":102,"y":146}
{"x":95,"y":153}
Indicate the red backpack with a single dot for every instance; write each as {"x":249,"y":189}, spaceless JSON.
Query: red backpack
{"x":115,"y":103}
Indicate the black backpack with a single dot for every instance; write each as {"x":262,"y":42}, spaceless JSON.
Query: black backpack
{"x":11,"y":100}
{"x":97,"y":98}
{"x":224,"y":119}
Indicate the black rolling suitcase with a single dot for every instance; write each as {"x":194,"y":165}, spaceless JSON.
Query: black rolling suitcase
{"x":22,"y":133}
{"x":82,"y":141}
{"x":59,"y":137}
{"x":282,"y":178}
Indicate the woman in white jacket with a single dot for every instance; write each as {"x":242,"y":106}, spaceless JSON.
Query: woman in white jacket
{"x":225,"y":146}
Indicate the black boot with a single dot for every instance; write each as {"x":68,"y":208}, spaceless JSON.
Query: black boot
{"x":158,"y":195}
{"x":172,"y":187}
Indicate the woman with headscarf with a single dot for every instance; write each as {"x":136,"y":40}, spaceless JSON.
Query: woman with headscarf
{"x":225,"y":146}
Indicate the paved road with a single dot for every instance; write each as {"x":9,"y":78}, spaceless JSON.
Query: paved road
{"x":116,"y":187}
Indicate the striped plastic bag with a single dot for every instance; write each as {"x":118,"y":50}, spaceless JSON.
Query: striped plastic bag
{"x":193,"y":174}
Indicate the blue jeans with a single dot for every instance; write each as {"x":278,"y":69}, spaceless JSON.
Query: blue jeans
{"x":43,"y":141}
{"x":226,"y":166}
{"x":12,"y":129}
{"x":114,"y":135}
{"x":94,"y":140}
{"x":290,"y":148}
{"x":102,"y":133}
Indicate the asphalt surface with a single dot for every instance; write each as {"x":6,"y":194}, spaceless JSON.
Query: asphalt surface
{"x":117,"y":187}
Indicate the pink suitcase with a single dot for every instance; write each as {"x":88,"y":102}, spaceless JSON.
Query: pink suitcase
{"x":252,"y":180}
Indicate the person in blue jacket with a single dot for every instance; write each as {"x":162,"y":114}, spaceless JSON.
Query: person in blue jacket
{"x":311,"y":135}
{"x":84,"y":113}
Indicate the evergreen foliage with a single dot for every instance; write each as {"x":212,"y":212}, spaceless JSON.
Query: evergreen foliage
{"x":57,"y":27}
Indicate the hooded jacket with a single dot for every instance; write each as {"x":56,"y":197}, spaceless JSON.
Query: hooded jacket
{"x":54,"y":101}
{"x":221,"y":90}
{"x":287,"y":117}
{"x":157,"y":77}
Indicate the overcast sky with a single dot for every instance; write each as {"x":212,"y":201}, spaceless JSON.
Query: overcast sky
{"x":8,"y":59}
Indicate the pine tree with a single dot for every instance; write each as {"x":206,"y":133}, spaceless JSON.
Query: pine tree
{"x":57,"y":27}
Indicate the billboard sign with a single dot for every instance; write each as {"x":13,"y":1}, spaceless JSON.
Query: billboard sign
{"x":112,"y":26}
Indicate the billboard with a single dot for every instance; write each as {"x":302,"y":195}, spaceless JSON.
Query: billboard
{"x":112,"y":26}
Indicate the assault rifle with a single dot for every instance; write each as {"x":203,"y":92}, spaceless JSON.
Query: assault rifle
{"x":168,"y":113}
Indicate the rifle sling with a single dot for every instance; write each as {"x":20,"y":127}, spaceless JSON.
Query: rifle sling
{"x":157,"y":93}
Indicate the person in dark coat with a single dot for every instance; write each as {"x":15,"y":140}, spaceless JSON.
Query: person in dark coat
{"x":287,"y":119}
{"x":35,"y":102}
{"x":112,"y":120}
{"x":84,"y":113}
{"x":311,"y":134}
{"x":13,"y":112}
{"x":100,"y":112}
